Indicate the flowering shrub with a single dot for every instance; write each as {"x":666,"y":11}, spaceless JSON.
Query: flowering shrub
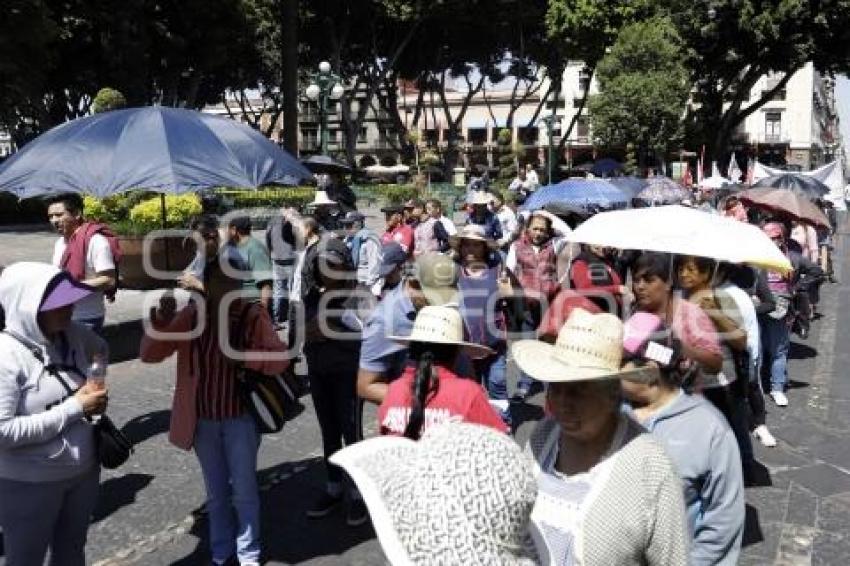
{"x":179,"y":209}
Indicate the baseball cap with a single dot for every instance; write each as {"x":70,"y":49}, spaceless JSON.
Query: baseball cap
{"x":438,"y":275}
{"x":351,"y":217}
{"x":392,"y":208}
{"x":241,"y":223}
{"x":63,"y":291}
{"x":414,"y":203}
{"x":392,"y":256}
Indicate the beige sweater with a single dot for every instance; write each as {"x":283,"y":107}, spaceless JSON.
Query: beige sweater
{"x":639,"y":516}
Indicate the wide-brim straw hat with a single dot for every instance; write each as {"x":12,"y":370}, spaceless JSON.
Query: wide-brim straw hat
{"x":321,"y":198}
{"x":589,"y":347}
{"x":462,"y":494}
{"x":442,"y":325}
{"x":472,"y":232}
{"x":438,"y":275}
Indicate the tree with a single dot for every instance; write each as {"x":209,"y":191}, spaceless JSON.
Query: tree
{"x":108,"y":99}
{"x":644,"y":87}
{"x":582,"y":31}
{"x":732,"y":43}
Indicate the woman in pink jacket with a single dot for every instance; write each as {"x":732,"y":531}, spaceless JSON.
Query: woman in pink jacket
{"x":207,"y":414}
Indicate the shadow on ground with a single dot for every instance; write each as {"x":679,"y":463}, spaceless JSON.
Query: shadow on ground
{"x":283,"y":519}
{"x":119,"y":492}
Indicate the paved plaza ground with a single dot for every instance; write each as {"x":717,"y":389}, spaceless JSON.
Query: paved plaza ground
{"x":151,"y":510}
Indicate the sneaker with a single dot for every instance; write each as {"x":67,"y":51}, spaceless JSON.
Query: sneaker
{"x":763,"y":434}
{"x":779,"y":398}
{"x":357,"y":512}
{"x":324,"y":506}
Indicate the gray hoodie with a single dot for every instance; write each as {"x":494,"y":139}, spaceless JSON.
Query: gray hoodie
{"x":43,"y":433}
{"x":704,"y":451}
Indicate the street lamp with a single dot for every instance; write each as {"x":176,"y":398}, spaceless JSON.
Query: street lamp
{"x":325,"y":85}
{"x":550,"y":122}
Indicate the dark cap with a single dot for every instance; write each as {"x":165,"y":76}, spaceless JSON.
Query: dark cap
{"x":392,"y":256}
{"x":414,"y":203}
{"x":351,"y":217}
{"x":392,"y":209}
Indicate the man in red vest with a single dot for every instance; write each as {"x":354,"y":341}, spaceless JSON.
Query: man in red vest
{"x":88,"y":251}
{"x":533,"y":259}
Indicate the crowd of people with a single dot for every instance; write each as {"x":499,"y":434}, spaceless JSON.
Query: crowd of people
{"x":652,"y":368}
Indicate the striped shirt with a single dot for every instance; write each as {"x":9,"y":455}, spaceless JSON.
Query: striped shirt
{"x":218,"y":394}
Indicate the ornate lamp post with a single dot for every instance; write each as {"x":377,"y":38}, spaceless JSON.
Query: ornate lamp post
{"x":325,"y":85}
{"x":550,"y":122}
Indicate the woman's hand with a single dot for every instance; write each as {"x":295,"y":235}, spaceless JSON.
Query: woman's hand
{"x":92,"y":398}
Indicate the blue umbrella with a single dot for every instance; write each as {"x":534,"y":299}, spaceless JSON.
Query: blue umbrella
{"x":663,"y":190}
{"x":168,"y":150}
{"x":630,"y":185}
{"x":606,"y":166}
{"x":582,"y":193}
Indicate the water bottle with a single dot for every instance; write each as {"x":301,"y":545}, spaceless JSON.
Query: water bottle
{"x":96,"y":373}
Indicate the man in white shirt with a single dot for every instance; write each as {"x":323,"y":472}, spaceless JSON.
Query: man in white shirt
{"x":520,"y":183}
{"x":531,"y":177}
{"x":508,"y":221}
{"x":85,"y":253}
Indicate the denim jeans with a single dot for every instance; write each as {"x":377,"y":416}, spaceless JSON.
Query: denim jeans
{"x":776,"y":341}
{"x":95,"y":324}
{"x":227,"y":451}
{"x":280,"y":295}
{"x":491,"y":372}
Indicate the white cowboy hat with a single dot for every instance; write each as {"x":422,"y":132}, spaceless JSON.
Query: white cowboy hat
{"x":480,"y":197}
{"x":441,"y":325}
{"x":472,"y":232}
{"x":321,"y":198}
{"x":589,"y":346}
{"x":462,"y":494}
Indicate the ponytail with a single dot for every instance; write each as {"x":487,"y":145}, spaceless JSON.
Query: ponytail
{"x":425,"y":380}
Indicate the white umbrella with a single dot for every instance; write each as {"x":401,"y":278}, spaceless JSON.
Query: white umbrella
{"x":714,"y":182}
{"x":683,"y":231}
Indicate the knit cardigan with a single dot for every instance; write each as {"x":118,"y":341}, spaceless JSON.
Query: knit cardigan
{"x":639,"y":516}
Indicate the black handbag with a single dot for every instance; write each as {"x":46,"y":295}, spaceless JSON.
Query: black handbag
{"x":270,"y":400}
{"x":113,"y":446}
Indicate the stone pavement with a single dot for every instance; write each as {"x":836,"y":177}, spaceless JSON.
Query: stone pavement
{"x":151,"y":510}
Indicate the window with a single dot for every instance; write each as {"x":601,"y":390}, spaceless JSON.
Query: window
{"x":584,"y":79}
{"x":477,"y":136}
{"x":361,"y":135}
{"x":773,"y":127}
{"x":560,"y":103}
{"x":583,"y":128}
{"x":309,"y":138}
{"x":431,"y":137}
{"x":528,"y":136}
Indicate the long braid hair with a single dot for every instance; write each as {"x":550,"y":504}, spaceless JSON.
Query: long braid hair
{"x":426,"y":382}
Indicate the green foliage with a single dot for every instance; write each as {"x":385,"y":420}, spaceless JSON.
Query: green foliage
{"x":179,"y":209}
{"x":643,"y":86}
{"x":267,"y":197}
{"x":108,"y":99}
{"x":389,"y":193}
{"x":429,"y":159}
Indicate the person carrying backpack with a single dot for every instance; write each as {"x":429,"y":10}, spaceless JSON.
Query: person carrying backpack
{"x":89,"y":252}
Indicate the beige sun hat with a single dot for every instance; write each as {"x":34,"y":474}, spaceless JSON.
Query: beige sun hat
{"x":589,"y":347}
{"x":321,"y":198}
{"x":480,"y":197}
{"x":473,"y":232}
{"x":441,"y":325}
{"x":437,"y":275}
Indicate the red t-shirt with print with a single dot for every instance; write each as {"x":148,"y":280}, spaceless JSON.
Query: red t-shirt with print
{"x":456,"y":399}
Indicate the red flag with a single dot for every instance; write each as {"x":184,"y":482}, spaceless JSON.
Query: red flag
{"x":687,"y":178}
{"x":701,"y":167}
{"x":751,"y":171}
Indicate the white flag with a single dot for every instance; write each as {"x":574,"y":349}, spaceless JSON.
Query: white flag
{"x":734,"y":172}
{"x":715,"y":171}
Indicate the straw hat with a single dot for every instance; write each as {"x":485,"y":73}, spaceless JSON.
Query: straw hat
{"x":437,"y":275}
{"x":589,"y":346}
{"x":462,"y":494}
{"x":473,"y":232}
{"x":321,"y":198}
{"x":480,"y":197}
{"x":441,"y":325}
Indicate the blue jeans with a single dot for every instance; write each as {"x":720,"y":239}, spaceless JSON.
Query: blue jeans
{"x":95,"y":324}
{"x":227,"y":451}
{"x":492,"y":373}
{"x":280,"y":295}
{"x":776,"y":341}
